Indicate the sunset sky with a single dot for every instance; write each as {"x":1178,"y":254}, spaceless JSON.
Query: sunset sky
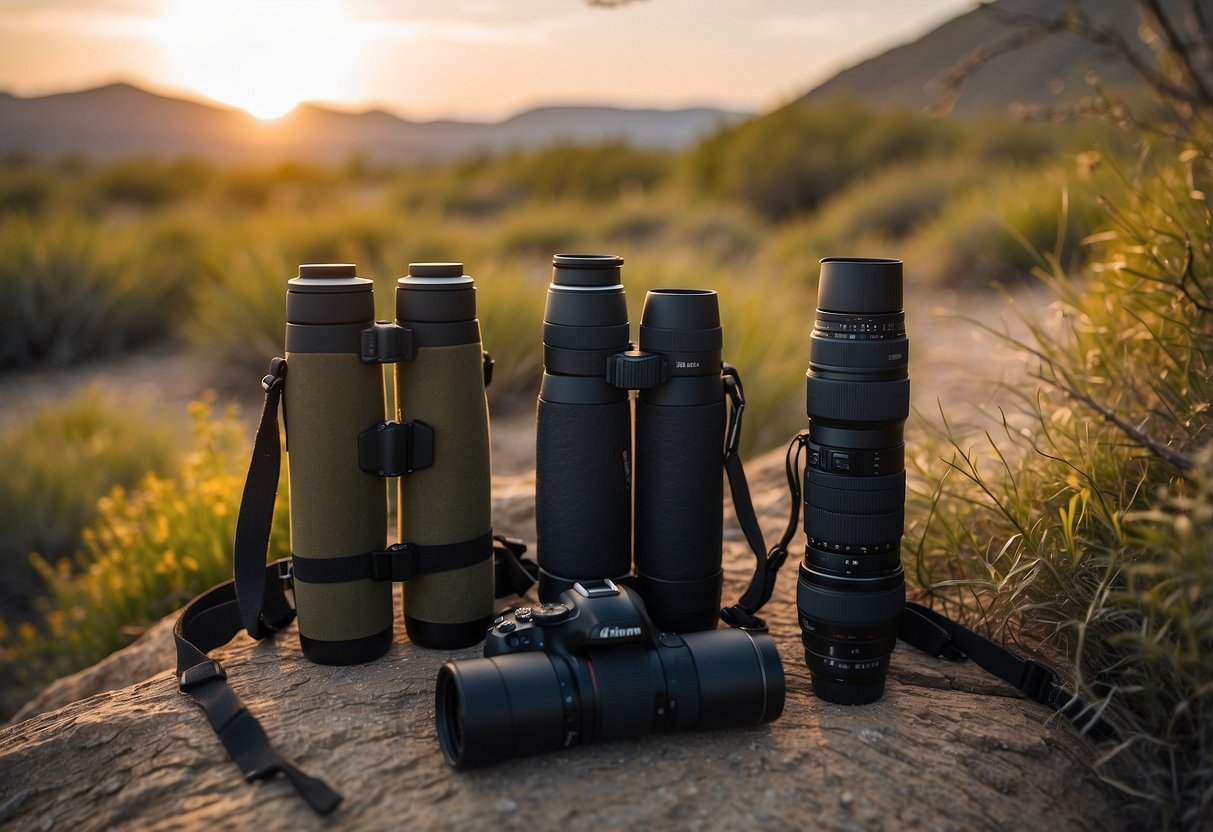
{"x":480,"y":59}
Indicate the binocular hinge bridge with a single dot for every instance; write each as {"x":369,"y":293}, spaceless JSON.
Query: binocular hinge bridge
{"x":386,"y":343}
{"x":392,"y":449}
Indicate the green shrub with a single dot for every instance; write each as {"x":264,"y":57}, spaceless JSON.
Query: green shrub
{"x":239,"y":319}
{"x":58,"y":461}
{"x":71,"y":289}
{"x":786,"y":162}
{"x":148,"y":182}
{"x":1089,"y":531}
{"x":151,"y":549}
{"x":1000,"y":232}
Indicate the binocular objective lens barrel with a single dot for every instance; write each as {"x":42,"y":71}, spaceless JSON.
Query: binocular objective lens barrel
{"x":680,"y":426}
{"x":583,"y":444}
{"x":851,"y":588}
{"x":447,"y":503}
{"x":337,"y":509}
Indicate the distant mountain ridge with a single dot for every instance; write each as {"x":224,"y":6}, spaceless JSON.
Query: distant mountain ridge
{"x":125,"y":120}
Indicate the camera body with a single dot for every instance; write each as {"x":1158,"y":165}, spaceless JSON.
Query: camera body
{"x":594,"y":613}
{"x":591,"y":667}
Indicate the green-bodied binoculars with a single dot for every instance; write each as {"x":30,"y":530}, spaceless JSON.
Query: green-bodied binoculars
{"x":341,"y":449}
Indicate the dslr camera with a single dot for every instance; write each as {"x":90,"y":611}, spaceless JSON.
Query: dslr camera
{"x":590,"y":667}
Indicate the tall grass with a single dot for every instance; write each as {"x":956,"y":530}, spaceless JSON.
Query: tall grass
{"x":58,"y":461}
{"x":71,"y":289}
{"x":1089,"y":531}
{"x":150,"y":549}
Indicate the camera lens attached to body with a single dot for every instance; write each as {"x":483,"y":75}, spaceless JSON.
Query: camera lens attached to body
{"x":592,"y":668}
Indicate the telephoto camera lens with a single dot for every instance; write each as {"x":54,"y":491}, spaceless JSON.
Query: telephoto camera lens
{"x":851,"y":590}
{"x":583,"y":447}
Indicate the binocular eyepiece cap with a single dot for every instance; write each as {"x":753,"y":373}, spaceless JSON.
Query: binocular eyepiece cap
{"x":328,"y":294}
{"x":435,"y":270}
{"x":860,"y":285}
{"x":586,"y":269}
{"x":329,"y":277}
{"x":435,"y":293}
{"x":683,"y":321}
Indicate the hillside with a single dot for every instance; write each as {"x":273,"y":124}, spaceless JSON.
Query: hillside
{"x":124,"y":120}
{"x":1049,"y":71}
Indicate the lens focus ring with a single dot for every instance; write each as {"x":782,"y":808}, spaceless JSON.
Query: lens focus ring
{"x":855,"y":400}
{"x":859,"y":355}
{"x":850,"y":608}
{"x":854,"y":529}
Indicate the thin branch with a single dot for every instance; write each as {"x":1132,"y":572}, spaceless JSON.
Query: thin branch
{"x":1152,"y":11}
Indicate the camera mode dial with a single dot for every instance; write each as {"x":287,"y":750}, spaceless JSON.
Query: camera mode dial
{"x":552,"y":612}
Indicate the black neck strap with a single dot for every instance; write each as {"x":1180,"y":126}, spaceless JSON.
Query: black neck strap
{"x":257,"y":601}
{"x":938,"y":635}
{"x":767,"y":563}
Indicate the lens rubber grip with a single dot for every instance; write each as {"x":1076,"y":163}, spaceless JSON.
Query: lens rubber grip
{"x":854,"y":529}
{"x":583,"y":509}
{"x":857,"y":400}
{"x":679,"y":504}
{"x":849,"y":609}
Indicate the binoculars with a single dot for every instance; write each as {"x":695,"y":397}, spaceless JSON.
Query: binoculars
{"x":596,"y":503}
{"x":341,"y":448}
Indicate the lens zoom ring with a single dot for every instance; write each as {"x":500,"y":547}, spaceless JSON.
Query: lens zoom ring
{"x":831,"y":606}
{"x":625,"y":692}
{"x":838,"y":352}
{"x":687,"y":707}
{"x":854,"y":529}
{"x":858,"y":401}
{"x":847,"y":501}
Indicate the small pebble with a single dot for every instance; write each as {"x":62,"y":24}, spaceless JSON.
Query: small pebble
{"x":505,"y":805}
{"x":846,"y":799}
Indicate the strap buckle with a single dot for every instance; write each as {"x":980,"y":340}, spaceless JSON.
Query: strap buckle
{"x":395,"y":563}
{"x":277,"y":375}
{"x":736,"y":394}
{"x":1036,"y":680}
{"x":741,"y":618}
{"x":200,"y":674}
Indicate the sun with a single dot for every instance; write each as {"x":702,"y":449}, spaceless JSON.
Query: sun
{"x":263,"y":56}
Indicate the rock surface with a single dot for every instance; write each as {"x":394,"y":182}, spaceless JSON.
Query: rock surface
{"x":947,"y":748}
